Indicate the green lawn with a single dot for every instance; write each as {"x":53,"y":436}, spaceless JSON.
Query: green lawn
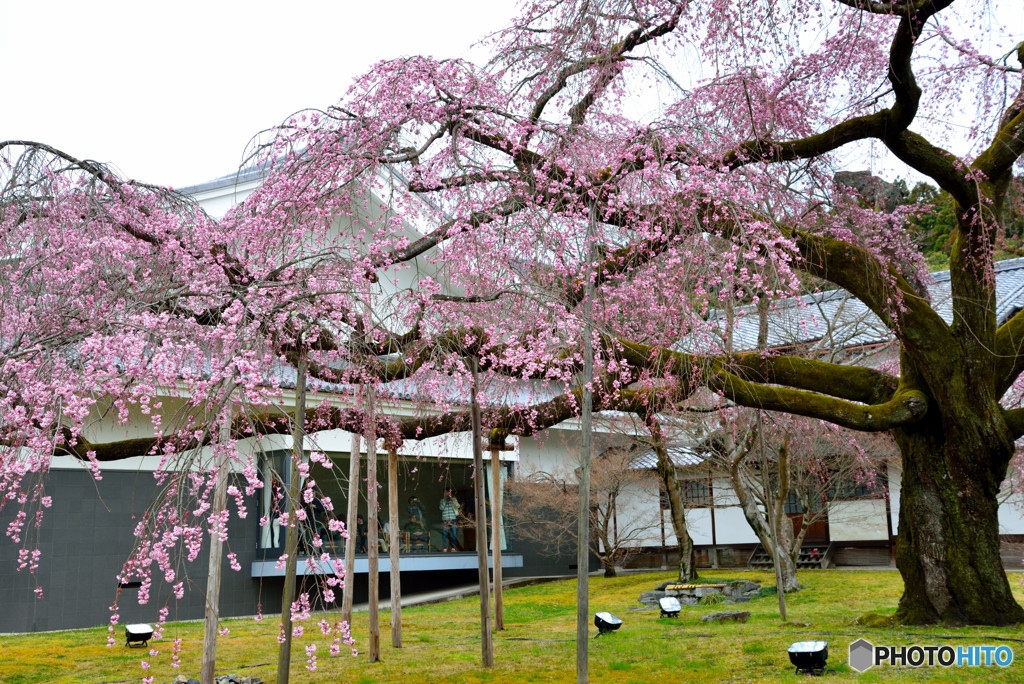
{"x":442,"y":641}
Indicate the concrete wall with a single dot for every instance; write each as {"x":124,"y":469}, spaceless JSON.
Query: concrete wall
{"x":85,"y":538}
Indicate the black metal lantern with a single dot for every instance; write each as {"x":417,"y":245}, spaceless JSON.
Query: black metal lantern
{"x":606,"y":622}
{"x":809,"y":656}
{"x":138,"y":634}
{"x":670,"y":606}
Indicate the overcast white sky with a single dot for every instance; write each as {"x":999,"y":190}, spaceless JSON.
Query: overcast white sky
{"x":171,"y":92}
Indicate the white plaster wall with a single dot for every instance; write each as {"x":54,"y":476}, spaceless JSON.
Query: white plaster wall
{"x":556,"y":451}
{"x":218,"y":201}
{"x":1011,"y":515}
{"x":732,"y":528}
{"x":639,"y":515}
{"x":895,"y":478}
{"x":544,"y":454}
{"x":723,"y":493}
{"x":862,"y":520}
{"x":698,"y":525}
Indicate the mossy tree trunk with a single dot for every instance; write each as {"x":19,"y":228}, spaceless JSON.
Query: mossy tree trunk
{"x":947,"y":547}
{"x":955,"y":458}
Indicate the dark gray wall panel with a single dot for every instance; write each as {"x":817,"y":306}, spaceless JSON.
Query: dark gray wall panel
{"x":86,"y":537}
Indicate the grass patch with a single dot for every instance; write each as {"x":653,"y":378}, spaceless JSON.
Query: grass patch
{"x":712,"y":600}
{"x":876,"y":620}
{"x":442,"y":641}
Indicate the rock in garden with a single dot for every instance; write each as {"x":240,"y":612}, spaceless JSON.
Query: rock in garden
{"x":728,"y":616}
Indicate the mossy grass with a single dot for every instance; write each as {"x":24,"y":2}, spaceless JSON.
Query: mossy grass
{"x":442,"y":642}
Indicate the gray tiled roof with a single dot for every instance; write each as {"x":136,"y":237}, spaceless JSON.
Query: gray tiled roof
{"x":834,"y":319}
{"x":249,"y":173}
{"x":681,"y":456}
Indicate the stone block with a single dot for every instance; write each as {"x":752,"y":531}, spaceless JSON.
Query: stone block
{"x":651,"y":598}
{"x":727,"y":616}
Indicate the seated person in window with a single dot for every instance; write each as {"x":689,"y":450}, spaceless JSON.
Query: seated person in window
{"x":417,"y":534}
{"x":360,"y":534}
{"x":317,"y":516}
{"x":415,"y":508}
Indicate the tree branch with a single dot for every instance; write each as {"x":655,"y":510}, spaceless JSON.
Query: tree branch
{"x":1009,"y":352}
{"x":851,"y":383}
{"x":906,"y":406}
{"x":1014,"y":422}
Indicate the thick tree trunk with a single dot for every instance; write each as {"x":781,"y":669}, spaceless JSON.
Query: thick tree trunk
{"x":947,"y":547}
{"x":955,"y":459}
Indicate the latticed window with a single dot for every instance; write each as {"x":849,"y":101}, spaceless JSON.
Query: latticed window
{"x":862,"y":490}
{"x":695,"y":494}
{"x":794,"y":507}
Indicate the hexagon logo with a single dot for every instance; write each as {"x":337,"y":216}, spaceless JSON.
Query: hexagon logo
{"x":862,"y":655}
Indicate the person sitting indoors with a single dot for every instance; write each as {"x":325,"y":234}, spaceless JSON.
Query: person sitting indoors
{"x":360,"y":534}
{"x":416,"y":534}
{"x":415,"y":508}
{"x":383,"y":534}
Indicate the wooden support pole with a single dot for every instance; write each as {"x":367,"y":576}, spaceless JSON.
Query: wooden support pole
{"x":394,"y":545}
{"x":372,"y":534}
{"x":496,"y":446}
{"x":586,"y":419}
{"x":350,"y":527}
{"x":284,"y":653}
{"x":213,"y":579}
{"x":486,"y":644}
